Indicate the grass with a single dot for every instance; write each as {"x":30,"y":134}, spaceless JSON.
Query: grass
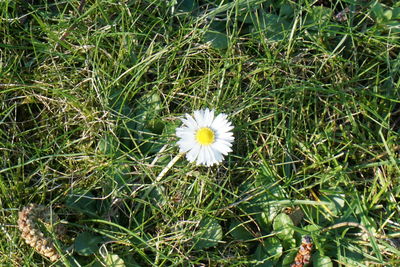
{"x":91,"y":93}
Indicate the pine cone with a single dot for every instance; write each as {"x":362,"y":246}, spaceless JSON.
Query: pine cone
{"x":27,"y":223}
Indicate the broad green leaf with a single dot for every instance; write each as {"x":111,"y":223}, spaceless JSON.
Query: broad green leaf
{"x":261,"y":255}
{"x":282,"y":225}
{"x":116,"y":179}
{"x":119,"y":103}
{"x":208,"y":235}
{"x":288,"y":166}
{"x":311,"y":228}
{"x":252,"y":205}
{"x":394,"y":27}
{"x":267,"y":216}
{"x":269,"y":252}
{"x":288,"y":259}
{"x":81,"y":200}
{"x":147,"y":108}
{"x":378,"y":11}
{"x":129,"y":261}
{"x":265,"y":190}
{"x":350,"y":258}
{"x":272,"y":191}
{"x":96,"y":263}
{"x":218,"y":26}
{"x":148,"y":122}
{"x":113,"y":260}
{"x":266,"y":263}
{"x":119,"y":173}
{"x":155,"y":126}
{"x":87,"y":243}
{"x":273,"y":248}
{"x":156,"y":196}
{"x":321,"y":261}
{"x":289,"y":243}
{"x":108,"y":145}
{"x":187,"y":5}
{"x":217,"y":39}
{"x":238,"y":231}
{"x":321,"y":14}
{"x":73,"y":262}
{"x":337,"y":200}
{"x":272,"y":26}
{"x":154,"y":137}
{"x":246,"y":16}
{"x":396,"y":13}
{"x":124,"y":116}
{"x":388,"y":14}
{"x":336,"y":204}
{"x":286,"y":10}
{"x":318,"y":17}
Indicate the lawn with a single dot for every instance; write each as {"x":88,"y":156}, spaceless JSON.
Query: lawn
{"x":91,"y":95}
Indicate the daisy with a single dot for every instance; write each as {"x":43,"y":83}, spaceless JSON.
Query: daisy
{"x":204,"y":137}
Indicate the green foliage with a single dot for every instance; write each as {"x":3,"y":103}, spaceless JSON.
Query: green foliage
{"x":268,"y":252}
{"x":208,"y":235}
{"x":218,"y":40}
{"x":281,"y":225}
{"x":82,"y":201}
{"x":87,"y":243}
{"x":239,"y":231}
{"x":114,"y":260}
{"x":321,"y":261}
{"x":387,"y":18}
{"x":91,"y":93}
{"x":271,"y":26}
{"x":187,"y":5}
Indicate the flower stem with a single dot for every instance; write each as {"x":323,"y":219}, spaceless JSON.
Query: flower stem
{"x":166,"y":169}
{"x":158,"y":178}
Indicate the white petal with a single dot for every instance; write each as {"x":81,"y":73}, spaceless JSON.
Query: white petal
{"x":222,"y":148}
{"x":185,"y":146}
{"x":224,"y":129}
{"x":183,"y":131}
{"x":193,"y":153}
{"x":225,"y":143}
{"x":199,"y":117}
{"x":186,"y":136}
{"x":219,"y":121}
{"x":200,"y":156}
{"x":205,"y":156}
{"x":210,"y":156}
{"x":224,"y":136}
{"x":218,"y":156}
{"x":190,"y":122}
{"x":208,"y":117}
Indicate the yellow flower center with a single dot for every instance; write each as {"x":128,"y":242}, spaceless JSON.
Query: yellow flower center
{"x":205,"y":136}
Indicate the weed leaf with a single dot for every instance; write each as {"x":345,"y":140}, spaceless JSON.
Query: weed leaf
{"x":209,"y":234}
{"x":282,"y":225}
{"x":87,"y":243}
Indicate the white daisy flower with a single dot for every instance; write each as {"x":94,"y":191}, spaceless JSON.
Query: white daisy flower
{"x":204,"y":137}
